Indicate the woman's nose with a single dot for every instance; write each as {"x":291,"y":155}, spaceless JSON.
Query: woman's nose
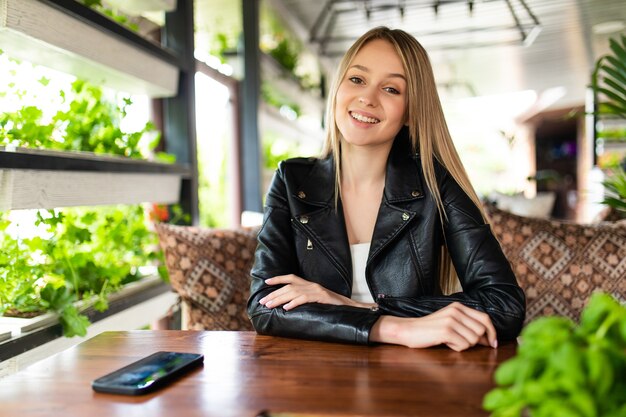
{"x":366,"y":100}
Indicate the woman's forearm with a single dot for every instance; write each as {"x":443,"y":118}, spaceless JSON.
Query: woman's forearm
{"x":457,"y":326}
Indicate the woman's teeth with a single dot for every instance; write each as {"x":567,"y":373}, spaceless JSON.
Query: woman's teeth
{"x":362,"y":118}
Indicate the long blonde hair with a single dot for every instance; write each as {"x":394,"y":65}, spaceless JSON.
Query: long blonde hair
{"x":427,"y":126}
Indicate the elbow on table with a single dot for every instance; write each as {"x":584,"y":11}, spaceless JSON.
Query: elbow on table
{"x":509,"y":323}
{"x":259,"y":315}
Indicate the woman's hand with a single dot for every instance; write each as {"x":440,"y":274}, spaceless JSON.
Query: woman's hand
{"x":456,"y":325}
{"x":297,"y":291}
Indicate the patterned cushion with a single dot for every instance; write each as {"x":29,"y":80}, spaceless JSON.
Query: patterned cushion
{"x":559,"y":264}
{"x":210,"y":269}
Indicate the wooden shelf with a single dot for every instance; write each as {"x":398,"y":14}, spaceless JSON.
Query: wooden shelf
{"x":289,"y":86}
{"x":137,"y":7}
{"x":35,"y":179}
{"x":45,"y":33}
{"x":26,"y":158}
{"x":33,"y":333}
{"x":271,"y":119}
{"x":614,"y":146}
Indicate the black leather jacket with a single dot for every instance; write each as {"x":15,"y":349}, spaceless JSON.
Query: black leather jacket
{"x":304,"y":234}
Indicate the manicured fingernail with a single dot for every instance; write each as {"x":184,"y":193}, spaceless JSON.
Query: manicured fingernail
{"x":262,"y":300}
{"x":267,"y":281}
{"x":269,"y":304}
{"x":494,"y":343}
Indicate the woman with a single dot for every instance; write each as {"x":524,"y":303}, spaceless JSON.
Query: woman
{"x":360,"y":245}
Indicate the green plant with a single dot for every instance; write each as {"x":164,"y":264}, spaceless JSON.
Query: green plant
{"x":19,"y":273}
{"x":564,"y":369}
{"x":277,"y":100}
{"x":616,"y":186}
{"x":276,"y":150}
{"x":111,"y":14}
{"x":286,"y":54}
{"x":88,"y":254}
{"x":90,"y":123}
{"x":609,"y":79}
{"x":614,"y":135}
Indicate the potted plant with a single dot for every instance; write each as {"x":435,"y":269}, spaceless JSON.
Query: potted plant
{"x":565,"y":369}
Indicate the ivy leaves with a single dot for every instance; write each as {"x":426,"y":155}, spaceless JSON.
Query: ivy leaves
{"x":562,"y":369}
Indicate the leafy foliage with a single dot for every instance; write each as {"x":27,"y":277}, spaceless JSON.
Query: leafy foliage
{"x":91,"y":123}
{"x":277,"y":100}
{"x":616,"y":187}
{"x":276,"y":150}
{"x":564,"y":369}
{"x":19,"y":273}
{"x":286,"y":54}
{"x":91,"y":253}
{"x":111,"y":14}
{"x":609,"y":79}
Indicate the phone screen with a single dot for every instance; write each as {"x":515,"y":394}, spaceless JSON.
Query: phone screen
{"x":148,"y":373}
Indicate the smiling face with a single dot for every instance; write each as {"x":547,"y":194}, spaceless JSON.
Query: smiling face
{"x":370,"y":105}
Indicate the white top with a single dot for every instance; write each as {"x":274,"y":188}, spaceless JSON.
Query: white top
{"x":360,"y":290}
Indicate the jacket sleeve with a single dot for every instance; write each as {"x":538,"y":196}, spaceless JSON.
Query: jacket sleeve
{"x":485,"y":274}
{"x":276,"y":255}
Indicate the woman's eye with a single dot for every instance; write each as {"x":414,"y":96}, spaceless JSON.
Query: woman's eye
{"x":356,"y":80}
{"x":391,"y":90}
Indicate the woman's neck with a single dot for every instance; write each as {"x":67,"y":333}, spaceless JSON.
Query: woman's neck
{"x":363,"y":166}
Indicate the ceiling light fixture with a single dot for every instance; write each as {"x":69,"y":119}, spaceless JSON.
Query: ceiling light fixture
{"x":606,"y":28}
{"x":525,"y":21}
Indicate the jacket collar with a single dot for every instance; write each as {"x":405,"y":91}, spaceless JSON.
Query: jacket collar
{"x":402,"y":180}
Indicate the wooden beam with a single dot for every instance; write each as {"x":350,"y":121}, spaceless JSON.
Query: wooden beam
{"x":31,"y":30}
{"x":42,"y":189}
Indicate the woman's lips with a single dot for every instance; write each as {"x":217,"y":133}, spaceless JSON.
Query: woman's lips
{"x":363,"y":118}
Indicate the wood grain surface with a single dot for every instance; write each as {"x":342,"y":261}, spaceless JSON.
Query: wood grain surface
{"x":244,"y":374}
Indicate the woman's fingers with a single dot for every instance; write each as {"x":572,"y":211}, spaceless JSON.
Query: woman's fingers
{"x":461,"y":327}
{"x":295,"y":302}
{"x":481,"y":322}
{"x":297,"y":291}
{"x":285,"y":279}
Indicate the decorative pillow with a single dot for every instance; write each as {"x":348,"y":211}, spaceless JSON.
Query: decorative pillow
{"x":559,"y":264}
{"x":210,"y":269}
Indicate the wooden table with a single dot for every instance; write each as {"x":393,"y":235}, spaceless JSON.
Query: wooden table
{"x":245,"y":373}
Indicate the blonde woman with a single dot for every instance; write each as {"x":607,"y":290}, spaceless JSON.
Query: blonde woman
{"x":362,"y":244}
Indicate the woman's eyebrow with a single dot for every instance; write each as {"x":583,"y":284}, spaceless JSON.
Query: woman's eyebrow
{"x":391,"y":74}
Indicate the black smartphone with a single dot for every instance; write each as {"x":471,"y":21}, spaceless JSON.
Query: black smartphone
{"x":147,"y":374}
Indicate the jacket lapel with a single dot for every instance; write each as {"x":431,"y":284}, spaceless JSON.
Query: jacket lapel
{"x":314,"y":206}
{"x":403,"y":190}
{"x":314,"y":210}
